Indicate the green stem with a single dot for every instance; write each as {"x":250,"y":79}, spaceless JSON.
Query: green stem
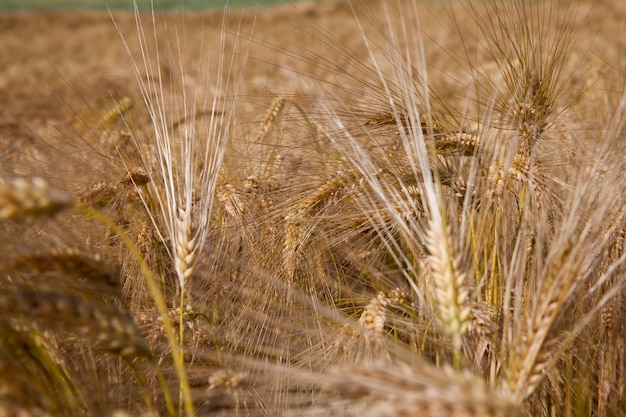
{"x":159,"y":300}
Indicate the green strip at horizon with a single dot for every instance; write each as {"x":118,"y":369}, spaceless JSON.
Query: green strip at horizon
{"x":143,"y":5}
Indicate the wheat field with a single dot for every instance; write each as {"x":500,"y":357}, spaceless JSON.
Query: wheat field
{"x":362,"y":208}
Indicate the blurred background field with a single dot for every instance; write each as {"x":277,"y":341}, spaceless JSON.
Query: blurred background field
{"x":13,"y":5}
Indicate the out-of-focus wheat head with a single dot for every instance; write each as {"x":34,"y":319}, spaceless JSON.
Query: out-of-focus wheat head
{"x":27,"y":199}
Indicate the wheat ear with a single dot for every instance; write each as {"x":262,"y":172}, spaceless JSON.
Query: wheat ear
{"x":115,"y":330}
{"x":232,"y":202}
{"x":185,"y":246}
{"x":15,"y":410}
{"x":23,"y":199}
{"x":101,"y":193}
{"x":91,"y":267}
{"x":297,"y":227}
{"x":374,"y":315}
{"x":120,"y":108}
{"x":381,"y":389}
{"x":449,"y":282}
{"x":458,"y":142}
{"x":277,"y":106}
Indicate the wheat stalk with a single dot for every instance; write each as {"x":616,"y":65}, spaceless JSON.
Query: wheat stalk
{"x":532,"y":55}
{"x":571,"y":265}
{"x":188,"y":156}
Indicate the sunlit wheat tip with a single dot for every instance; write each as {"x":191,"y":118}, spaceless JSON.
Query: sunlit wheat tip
{"x":496,"y":180}
{"x":187,"y":315}
{"x":398,"y":297}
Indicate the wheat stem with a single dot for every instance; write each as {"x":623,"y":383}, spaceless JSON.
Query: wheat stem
{"x":159,"y":300}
